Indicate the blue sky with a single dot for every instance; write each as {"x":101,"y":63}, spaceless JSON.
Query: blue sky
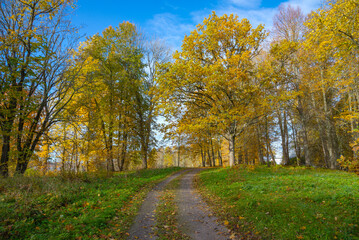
{"x":172,"y":20}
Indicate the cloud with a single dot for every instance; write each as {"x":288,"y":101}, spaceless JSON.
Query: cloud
{"x":245,"y":3}
{"x":258,"y":16}
{"x":262,"y":16}
{"x":306,"y":5}
{"x":170,"y":28}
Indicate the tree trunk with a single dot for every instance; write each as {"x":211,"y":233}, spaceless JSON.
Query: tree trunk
{"x":209,"y":158}
{"x":203,"y":158}
{"x":246,"y":159}
{"x":213,"y":157}
{"x":87,"y":154}
{"x":179,"y":152}
{"x":22,"y":162}
{"x":7,"y":127}
{"x":283,"y":132}
{"x":303,"y":117}
{"x":333,"y":146}
{"x":5,"y":150}
{"x":330,"y":133}
{"x":267,"y":142}
{"x":352,"y":123}
{"x":144,"y":161}
{"x":110,"y":147}
{"x":308,"y":157}
{"x":63,"y":158}
{"x":260,"y":151}
{"x":272,"y":155}
{"x":296,"y":144}
{"x":76,"y":153}
{"x":232,"y":144}
{"x":220,"y":161}
{"x":123,"y":152}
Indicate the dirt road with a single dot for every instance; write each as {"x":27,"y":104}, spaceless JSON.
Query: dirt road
{"x":195,"y":219}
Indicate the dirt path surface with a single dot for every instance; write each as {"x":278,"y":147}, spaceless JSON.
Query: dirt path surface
{"x":145,"y":222}
{"x":194,"y":217}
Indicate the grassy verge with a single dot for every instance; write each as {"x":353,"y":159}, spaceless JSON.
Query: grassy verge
{"x":167,"y":212}
{"x":81,"y":208}
{"x":284,"y":203}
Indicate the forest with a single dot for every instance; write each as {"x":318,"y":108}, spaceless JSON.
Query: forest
{"x":244,"y":132}
{"x":233,"y":94}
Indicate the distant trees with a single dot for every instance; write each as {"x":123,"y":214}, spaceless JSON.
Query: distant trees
{"x":286,"y":50}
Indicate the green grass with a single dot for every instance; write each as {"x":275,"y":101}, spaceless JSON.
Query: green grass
{"x":80,"y":208}
{"x":167,"y":213}
{"x":285,"y":203}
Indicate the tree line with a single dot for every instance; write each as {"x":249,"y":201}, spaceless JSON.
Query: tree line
{"x":296,"y":85}
{"x":83,"y":107}
{"x":231,"y":86}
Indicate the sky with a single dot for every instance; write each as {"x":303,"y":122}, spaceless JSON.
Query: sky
{"x":172,"y":20}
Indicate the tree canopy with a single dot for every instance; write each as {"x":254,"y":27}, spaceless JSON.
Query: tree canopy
{"x":232,"y":94}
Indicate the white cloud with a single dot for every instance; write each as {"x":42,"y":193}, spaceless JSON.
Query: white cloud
{"x":306,"y":5}
{"x":258,"y":16}
{"x":246,"y":3}
{"x":262,"y":16}
{"x":170,"y":28}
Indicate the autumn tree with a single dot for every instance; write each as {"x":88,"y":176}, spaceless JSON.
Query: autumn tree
{"x":332,"y":41}
{"x":214,"y":72}
{"x":112,"y":74}
{"x":115,"y":112}
{"x":286,"y":50}
{"x":36,"y":40}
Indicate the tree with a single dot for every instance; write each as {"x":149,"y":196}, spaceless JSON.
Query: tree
{"x":333,"y":47}
{"x":155,"y":52}
{"x":36,"y":41}
{"x":214,"y":71}
{"x":286,"y":50}
{"x":113,"y":74}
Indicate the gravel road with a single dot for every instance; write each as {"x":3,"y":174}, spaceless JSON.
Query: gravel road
{"x":194,"y":216}
{"x":145,"y":222}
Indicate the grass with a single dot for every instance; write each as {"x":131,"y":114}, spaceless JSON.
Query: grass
{"x":80,"y":208}
{"x":284,"y":203}
{"x":167,"y":213}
